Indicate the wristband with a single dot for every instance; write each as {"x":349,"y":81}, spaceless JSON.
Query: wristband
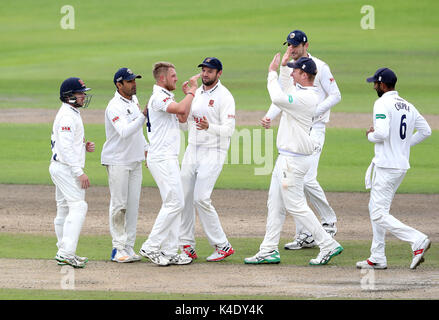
{"x":191,"y":94}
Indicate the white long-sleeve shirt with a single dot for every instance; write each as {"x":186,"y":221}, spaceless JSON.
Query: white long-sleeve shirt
{"x":298,"y":108}
{"x":328,"y":91}
{"x":218,"y":106}
{"x":125,"y":142}
{"x":394,"y":121}
{"x":68,"y":144}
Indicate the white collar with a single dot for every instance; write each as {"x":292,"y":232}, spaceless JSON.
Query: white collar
{"x":211,"y":90}
{"x":157,"y":88}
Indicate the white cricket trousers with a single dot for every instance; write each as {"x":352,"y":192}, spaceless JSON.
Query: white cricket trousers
{"x":286,"y":196}
{"x":71,"y":208}
{"x":200,"y":169}
{"x":385,"y":182}
{"x":165,"y":232}
{"x":125,"y":183}
{"x":313,"y":190}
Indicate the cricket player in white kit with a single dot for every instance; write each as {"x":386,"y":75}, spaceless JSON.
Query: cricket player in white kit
{"x":295,"y":146}
{"x":329,"y":96}
{"x":394,"y":122}
{"x":211,"y":123}
{"x":66,"y":170}
{"x":123,"y":152}
{"x":165,"y":113}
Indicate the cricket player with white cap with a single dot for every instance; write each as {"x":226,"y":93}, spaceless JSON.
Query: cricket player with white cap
{"x":295,"y":146}
{"x":211,"y":124}
{"x":122,"y":154}
{"x":394,"y":122}
{"x":66,"y":170}
{"x":165,"y":113}
{"x":329,"y":96}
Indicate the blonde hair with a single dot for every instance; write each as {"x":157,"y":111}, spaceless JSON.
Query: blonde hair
{"x":161,"y":67}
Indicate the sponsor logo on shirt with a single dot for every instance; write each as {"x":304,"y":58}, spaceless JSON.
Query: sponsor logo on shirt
{"x":65,"y":129}
{"x":166,"y":99}
{"x":115,"y":119}
{"x":331,"y":80}
{"x":231,"y":116}
{"x":380,"y":116}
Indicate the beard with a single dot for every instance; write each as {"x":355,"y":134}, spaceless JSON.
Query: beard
{"x":208,"y":83}
{"x":379,"y":92}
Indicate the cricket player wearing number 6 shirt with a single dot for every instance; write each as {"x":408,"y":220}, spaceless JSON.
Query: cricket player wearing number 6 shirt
{"x":211,"y":123}
{"x":394,"y":121}
{"x":295,"y":146}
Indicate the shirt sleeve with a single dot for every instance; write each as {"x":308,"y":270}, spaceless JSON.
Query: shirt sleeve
{"x":381,"y":122}
{"x":286,"y":102}
{"x":329,"y":85}
{"x":273,"y":112}
{"x":121,"y":124}
{"x":66,"y":136}
{"x":423,"y":130}
{"x":227,"y":118}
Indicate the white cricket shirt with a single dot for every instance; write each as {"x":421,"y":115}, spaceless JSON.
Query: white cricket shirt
{"x":125,"y":142}
{"x":218,"y":106}
{"x":68,"y":144}
{"x":394,"y":121}
{"x":164,"y":137}
{"x":296,"y":120}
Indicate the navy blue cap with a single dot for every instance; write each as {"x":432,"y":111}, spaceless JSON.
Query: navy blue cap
{"x":383,"y":75}
{"x":296,"y":37}
{"x":211,"y":62}
{"x":125,"y":74}
{"x":72,"y":85}
{"x":304,"y":63}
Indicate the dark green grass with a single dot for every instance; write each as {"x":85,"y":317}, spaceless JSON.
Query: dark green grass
{"x":343,"y":163}
{"x":37,"y":55}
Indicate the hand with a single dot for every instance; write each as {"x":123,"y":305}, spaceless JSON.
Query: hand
{"x":274,"y":65}
{"x":191,"y":85}
{"x":90,"y":146}
{"x":287,"y":55}
{"x":266,"y":122}
{"x":203,"y":124}
{"x":83,"y":181}
{"x":371,"y":129}
{"x":146,"y":156}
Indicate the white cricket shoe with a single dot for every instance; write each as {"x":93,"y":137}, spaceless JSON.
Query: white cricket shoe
{"x":418,"y":254}
{"x":134,"y":257}
{"x":325,"y":256}
{"x":221,"y":253}
{"x":121,"y":256}
{"x":155,"y":257}
{"x":330,"y":228}
{"x":180,"y":259}
{"x":367,"y":264}
{"x":272,"y":257}
{"x":303,"y":240}
{"x":72,"y":261}
{"x":59,"y":259}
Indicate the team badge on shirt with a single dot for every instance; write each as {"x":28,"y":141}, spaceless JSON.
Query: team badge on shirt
{"x":211,"y":102}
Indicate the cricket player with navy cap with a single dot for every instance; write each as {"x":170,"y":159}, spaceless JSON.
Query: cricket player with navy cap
{"x":122,"y":154}
{"x":394,"y":122}
{"x":329,"y":96}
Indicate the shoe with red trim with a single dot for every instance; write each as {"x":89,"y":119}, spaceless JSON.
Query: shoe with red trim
{"x":221,"y":253}
{"x":189,"y":251}
{"x":418,"y":254}
{"x":367,"y":264}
